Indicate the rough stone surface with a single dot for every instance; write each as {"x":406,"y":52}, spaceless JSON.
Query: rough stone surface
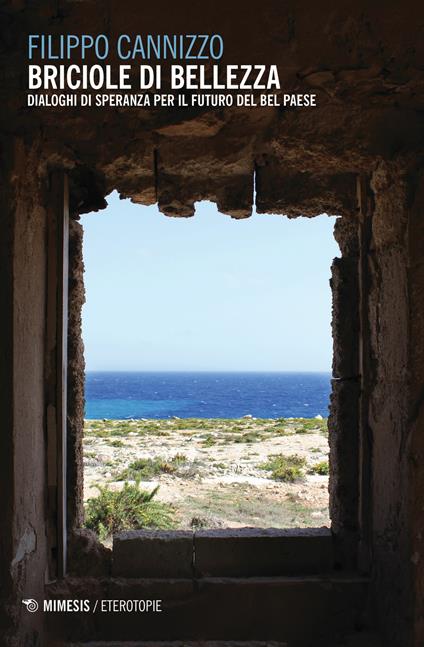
{"x":222,"y":553}
{"x":389,"y":411}
{"x":413,"y":443}
{"x":22,"y":478}
{"x":141,"y":553}
{"x":249,"y":552}
{"x":366,"y":72}
{"x":87,"y":556}
{"x":76,"y":369}
{"x":185,"y":643}
{"x":345,"y":319}
{"x":343,"y":424}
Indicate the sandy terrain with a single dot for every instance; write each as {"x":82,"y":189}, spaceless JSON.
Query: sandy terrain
{"x":213,"y":471}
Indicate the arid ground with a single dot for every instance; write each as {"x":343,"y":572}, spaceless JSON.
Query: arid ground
{"x":217,"y":473}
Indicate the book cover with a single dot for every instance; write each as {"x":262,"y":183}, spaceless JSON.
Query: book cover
{"x":211,"y":287}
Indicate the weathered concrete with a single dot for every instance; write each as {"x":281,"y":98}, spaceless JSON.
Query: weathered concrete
{"x":185,"y":643}
{"x":250,"y":552}
{"x":343,"y":426}
{"x":389,"y":405}
{"x":153,"y":554}
{"x":23,"y":547}
{"x":357,"y":639}
{"x":414,"y":441}
{"x":239,"y":609}
{"x":7,"y":474}
{"x":223,"y":553}
{"x":87,"y":556}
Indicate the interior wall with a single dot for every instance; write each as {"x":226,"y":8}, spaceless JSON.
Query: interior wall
{"x":415,"y":441}
{"x":23,"y":469}
{"x":7,"y":207}
{"x":395,"y":308}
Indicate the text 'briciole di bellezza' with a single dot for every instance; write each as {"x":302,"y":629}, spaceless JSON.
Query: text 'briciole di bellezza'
{"x":51,"y":66}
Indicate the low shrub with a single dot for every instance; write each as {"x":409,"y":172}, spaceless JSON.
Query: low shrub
{"x":116,"y":443}
{"x":321,"y":468}
{"x":145,"y":469}
{"x":128,"y":509}
{"x":248,"y":437}
{"x":208,"y":441}
{"x":310,"y":425}
{"x":285,"y":468}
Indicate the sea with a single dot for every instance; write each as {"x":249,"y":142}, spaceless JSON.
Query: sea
{"x":134,"y":395}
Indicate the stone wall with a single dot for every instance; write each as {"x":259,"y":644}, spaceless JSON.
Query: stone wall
{"x":414,"y":441}
{"x":76,"y":369}
{"x":395,"y":316}
{"x":343,"y":423}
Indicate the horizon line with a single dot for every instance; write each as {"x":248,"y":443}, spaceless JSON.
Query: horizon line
{"x":134,"y":370}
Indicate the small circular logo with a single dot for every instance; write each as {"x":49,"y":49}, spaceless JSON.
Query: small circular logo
{"x":31,"y":604}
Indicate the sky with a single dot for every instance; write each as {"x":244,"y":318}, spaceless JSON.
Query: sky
{"x":207,"y":292}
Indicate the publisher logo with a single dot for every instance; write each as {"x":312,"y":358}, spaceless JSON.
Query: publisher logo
{"x":31,"y":604}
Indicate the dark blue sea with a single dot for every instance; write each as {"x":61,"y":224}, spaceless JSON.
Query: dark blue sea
{"x":122,"y":395}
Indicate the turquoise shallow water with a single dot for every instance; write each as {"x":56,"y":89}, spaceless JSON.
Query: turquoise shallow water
{"x":119,"y":395}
